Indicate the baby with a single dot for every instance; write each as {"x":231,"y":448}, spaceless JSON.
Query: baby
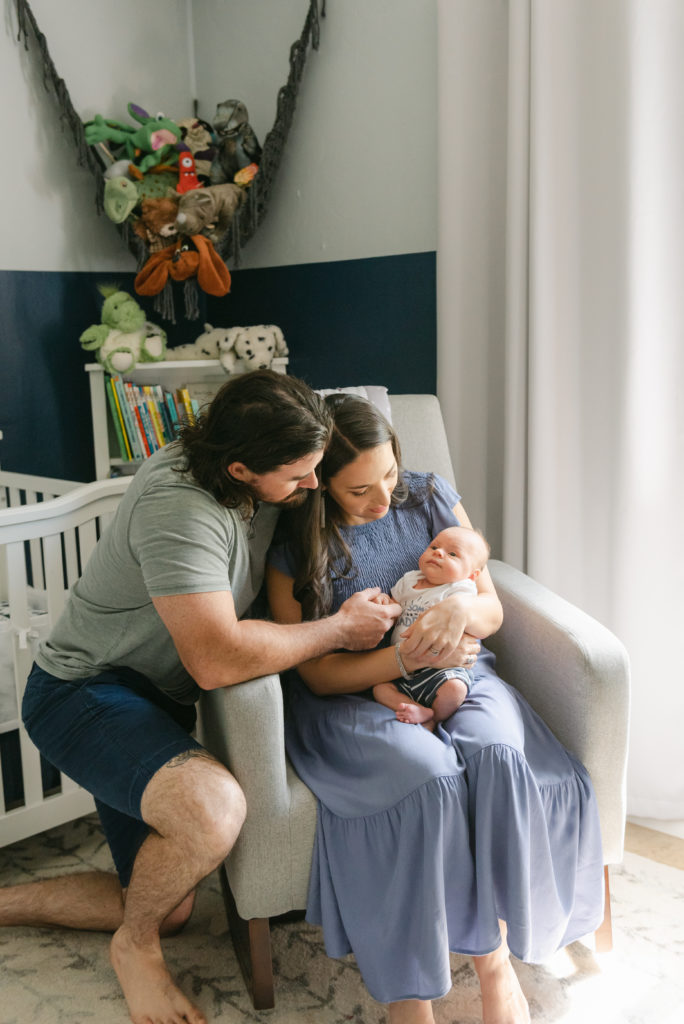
{"x":449,"y":565}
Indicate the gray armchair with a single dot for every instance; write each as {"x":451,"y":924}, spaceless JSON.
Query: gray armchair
{"x":572,"y":670}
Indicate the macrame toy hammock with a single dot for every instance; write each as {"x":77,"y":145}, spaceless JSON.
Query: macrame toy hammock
{"x":252,"y":211}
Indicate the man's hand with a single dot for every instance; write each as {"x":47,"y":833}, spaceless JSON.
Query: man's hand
{"x":365,"y":621}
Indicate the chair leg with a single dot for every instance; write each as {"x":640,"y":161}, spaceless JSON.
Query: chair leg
{"x":252,"y":943}
{"x":603,"y":936}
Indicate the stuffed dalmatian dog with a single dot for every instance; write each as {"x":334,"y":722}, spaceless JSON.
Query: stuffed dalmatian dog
{"x":239,"y":349}
{"x":251,"y":348}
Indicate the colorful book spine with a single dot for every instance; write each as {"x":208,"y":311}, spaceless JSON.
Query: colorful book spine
{"x":148,"y":426}
{"x":123,"y":391}
{"x":167,"y":425}
{"x":117,"y":419}
{"x":153,"y":412}
{"x":139,"y":426}
{"x":173,"y":413}
{"x":187,"y":405}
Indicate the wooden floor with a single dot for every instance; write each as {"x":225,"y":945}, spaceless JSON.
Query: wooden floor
{"x":658,"y":846}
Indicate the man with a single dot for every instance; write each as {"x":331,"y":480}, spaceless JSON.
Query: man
{"x":156,"y":618}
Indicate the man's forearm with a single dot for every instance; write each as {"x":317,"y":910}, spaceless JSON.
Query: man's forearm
{"x":257,"y":647}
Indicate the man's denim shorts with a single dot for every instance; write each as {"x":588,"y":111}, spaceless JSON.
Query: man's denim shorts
{"x":110,"y":733}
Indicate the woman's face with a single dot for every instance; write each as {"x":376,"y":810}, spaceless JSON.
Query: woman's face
{"x":363,"y":489}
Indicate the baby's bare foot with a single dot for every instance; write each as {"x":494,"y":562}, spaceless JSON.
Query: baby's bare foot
{"x":147,"y":985}
{"x":415,"y":713}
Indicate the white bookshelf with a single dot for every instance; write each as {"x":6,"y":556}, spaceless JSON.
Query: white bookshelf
{"x":202,"y":378}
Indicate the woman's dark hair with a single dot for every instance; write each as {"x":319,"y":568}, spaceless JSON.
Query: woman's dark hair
{"x":313,"y":529}
{"x":262,"y":419}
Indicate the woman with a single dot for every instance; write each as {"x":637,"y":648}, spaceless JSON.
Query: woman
{"x":426,"y":841}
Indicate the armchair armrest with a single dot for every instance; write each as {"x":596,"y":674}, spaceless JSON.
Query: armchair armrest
{"x":575,"y":674}
{"x":243,"y":726}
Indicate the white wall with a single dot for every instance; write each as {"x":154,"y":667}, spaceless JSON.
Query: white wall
{"x":49,"y":217}
{"x":358,"y":177}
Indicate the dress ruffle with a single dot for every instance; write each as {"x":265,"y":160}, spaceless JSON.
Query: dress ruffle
{"x":424,"y":841}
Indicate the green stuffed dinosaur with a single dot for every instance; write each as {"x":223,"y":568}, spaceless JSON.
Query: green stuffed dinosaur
{"x":124,"y":337}
{"x":146,"y":146}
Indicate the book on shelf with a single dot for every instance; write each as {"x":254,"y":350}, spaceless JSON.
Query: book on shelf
{"x":118,"y":421}
{"x":147,"y":417}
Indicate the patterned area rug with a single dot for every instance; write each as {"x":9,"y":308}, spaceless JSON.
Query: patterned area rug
{"x":63,"y":977}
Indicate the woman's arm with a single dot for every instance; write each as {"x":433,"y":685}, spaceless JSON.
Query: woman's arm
{"x":446,"y":625}
{"x":344,"y":671}
{"x":339,"y":672}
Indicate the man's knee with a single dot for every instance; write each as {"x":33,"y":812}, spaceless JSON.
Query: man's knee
{"x":195,"y":799}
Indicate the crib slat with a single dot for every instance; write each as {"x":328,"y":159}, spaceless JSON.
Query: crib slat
{"x":71,"y":557}
{"x":36,"y":561}
{"x":68,"y":785}
{"x":19,"y":618}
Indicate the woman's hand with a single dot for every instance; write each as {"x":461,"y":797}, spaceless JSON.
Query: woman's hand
{"x":439,"y":638}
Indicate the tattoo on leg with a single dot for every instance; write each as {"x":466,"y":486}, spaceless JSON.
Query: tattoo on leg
{"x":187,"y":755}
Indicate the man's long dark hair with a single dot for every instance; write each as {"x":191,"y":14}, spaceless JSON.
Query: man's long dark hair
{"x":262,"y":419}
{"x":313,"y":529}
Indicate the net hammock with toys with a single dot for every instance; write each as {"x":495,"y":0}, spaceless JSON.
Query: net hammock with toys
{"x":185,"y":196}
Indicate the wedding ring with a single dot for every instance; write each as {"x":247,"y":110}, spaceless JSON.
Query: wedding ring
{"x":433,"y":651}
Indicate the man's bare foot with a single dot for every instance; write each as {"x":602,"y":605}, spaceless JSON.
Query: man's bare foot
{"x":415,"y":713}
{"x":147,"y":985}
{"x":503,"y":1001}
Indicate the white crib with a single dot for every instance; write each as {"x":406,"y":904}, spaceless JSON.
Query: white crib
{"x":48,"y":529}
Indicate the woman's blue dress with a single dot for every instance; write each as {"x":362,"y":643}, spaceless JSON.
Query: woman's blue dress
{"x":425,"y":840}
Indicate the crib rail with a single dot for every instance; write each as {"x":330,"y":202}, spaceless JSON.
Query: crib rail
{"x":47,"y":533}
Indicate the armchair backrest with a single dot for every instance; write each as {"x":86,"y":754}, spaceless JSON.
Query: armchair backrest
{"x":418,"y":421}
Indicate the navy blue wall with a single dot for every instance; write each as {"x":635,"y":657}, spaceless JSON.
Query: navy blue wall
{"x":369,"y":321}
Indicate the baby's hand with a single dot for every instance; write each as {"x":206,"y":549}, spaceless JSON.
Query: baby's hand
{"x":382,"y":599}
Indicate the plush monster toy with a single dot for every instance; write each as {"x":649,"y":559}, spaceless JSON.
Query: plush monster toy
{"x":147,"y":144}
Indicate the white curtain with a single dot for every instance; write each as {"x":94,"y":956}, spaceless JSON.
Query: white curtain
{"x":561,"y":320}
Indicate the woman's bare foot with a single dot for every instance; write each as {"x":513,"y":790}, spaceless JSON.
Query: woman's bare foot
{"x":147,"y":985}
{"x":503,"y":1001}
{"x":415,"y":713}
{"x":411,"y":1011}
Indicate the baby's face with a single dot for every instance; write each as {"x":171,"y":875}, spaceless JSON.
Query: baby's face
{"x":451,"y":556}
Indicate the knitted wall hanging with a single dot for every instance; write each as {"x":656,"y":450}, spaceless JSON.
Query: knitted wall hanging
{"x":182,"y":194}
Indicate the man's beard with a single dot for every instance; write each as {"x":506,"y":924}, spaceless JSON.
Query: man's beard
{"x":295,"y":500}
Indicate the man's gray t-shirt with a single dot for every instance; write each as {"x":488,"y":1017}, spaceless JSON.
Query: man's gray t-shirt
{"x":168,"y":536}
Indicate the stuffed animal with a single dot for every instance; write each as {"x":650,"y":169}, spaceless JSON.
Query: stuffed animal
{"x":187,"y":257}
{"x":187,"y":173}
{"x":124,"y":337}
{"x":206,"y":346}
{"x":157,"y":222}
{"x":209,"y":211}
{"x":152,"y":141}
{"x":120,"y":198}
{"x":251,"y":348}
{"x":237,"y":144}
{"x":198,"y":137}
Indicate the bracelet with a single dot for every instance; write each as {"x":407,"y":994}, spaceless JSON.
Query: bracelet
{"x":400,"y":663}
